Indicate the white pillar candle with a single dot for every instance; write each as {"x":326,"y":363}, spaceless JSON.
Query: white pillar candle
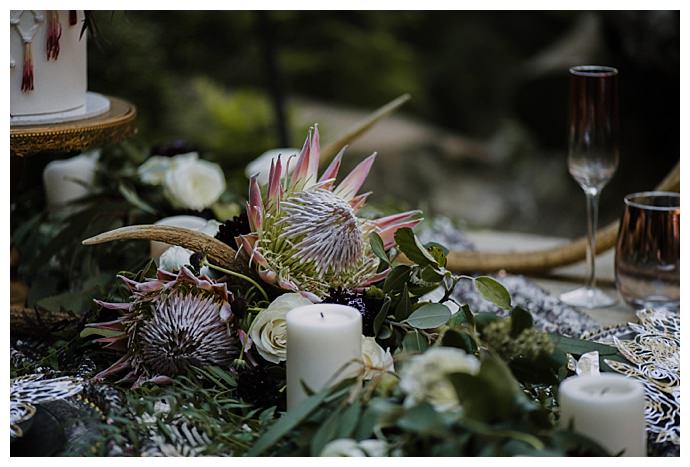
{"x":324,"y":343}
{"x":187,"y":222}
{"x":69,"y":179}
{"x":607,"y":408}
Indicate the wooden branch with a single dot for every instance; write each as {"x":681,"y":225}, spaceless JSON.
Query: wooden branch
{"x":360,"y":128}
{"x":542,"y":260}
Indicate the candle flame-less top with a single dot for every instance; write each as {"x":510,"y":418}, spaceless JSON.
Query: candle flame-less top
{"x":323,"y":316}
{"x":603,"y":389}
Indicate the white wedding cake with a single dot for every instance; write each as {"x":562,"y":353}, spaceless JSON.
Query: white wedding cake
{"x":48,"y":68}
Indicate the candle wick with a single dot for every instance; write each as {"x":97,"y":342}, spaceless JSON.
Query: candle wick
{"x":604,"y":391}
{"x":321,"y":313}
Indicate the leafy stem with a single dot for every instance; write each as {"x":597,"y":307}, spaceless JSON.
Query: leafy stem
{"x":240,"y":276}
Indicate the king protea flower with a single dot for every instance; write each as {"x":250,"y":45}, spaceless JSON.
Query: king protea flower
{"x":306,"y":234}
{"x":173,"y":322}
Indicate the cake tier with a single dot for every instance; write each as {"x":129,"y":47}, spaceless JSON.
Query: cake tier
{"x":59,"y":85}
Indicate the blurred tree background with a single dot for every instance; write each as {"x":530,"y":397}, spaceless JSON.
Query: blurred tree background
{"x":484,"y":136}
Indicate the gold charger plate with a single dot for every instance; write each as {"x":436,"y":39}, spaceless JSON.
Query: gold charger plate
{"x":113,"y":126}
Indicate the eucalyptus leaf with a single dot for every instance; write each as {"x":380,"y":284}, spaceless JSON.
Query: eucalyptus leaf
{"x":460,"y":340}
{"x":409,"y":244}
{"x":429,"y":316}
{"x":396,"y":278}
{"x":326,"y":432}
{"x":438,"y":251}
{"x":348,"y":420}
{"x":381,"y":315}
{"x":493,"y":291}
{"x":414,"y":342}
{"x":378,"y":248}
{"x":404,"y":306}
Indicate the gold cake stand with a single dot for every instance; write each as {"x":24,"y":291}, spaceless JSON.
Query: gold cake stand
{"x":113,"y":126}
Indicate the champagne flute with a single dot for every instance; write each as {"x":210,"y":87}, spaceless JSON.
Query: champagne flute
{"x":592,"y":159}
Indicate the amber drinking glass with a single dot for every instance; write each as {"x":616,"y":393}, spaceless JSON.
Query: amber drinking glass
{"x":648,"y":250}
{"x":592,"y":158}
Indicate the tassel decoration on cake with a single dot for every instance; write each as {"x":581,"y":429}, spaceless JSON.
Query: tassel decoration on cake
{"x":54,"y":33}
{"x":72,"y":17}
{"x":28,"y":70}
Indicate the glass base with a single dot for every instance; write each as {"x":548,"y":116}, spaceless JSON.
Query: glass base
{"x":586,"y":297}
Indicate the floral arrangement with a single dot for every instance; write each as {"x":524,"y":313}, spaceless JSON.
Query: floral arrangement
{"x":197,"y":346}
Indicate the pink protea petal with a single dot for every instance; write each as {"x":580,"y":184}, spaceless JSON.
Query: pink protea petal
{"x":115,"y":325}
{"x":310,"y":296}
{"x":121,"y":364}
{"x":113,"y":306}
{"x":287,"y":285}
{"x":150,"y":286}
{"x":245,"y":340}
{"x":158,"y":379}
{"x":255,"y":193}
{"x":358,"y":201}
{"x":385,"y":222}
{"x":302,"y":168}
{"x":387,"y":235}
{"x":332,"y":170}
{"x":375,"y":278}
{"x":254,"y":255}
{"x":254,"y":214}
{"x":268,"y":276}
{"x":225,"y":312}
{"x":349,"y":187}
{"x":131,"y":284}
{"x":164,"y":275}
{"x":274,"y":186}
{"x":118,"y":343}
{"x":314,"y":156}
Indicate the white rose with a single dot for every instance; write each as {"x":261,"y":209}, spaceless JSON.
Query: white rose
{"x":375,"y":359}
{"x":261,"y":166}
{"x":269,"y":329}
{"x":346,"y":447}
{"x":423,"y":378}
{"x":193,"y":183}
{"x":174,"y":258}
{"x":154,"y":169}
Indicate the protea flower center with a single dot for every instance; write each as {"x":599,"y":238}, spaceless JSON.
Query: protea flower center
{"x":323,"y":229}
{"x":305,"y":232}
{"x":173,"y":322}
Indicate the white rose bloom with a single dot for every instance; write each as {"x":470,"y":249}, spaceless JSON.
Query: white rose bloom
{"x":154,"y":169}
{"x":376,"y":360}
{"x":193,"y":183}
{"x":268,"y":331}
{"x":346,"y":447}
{"x":174,"y":258}
{"x":423,"y":378}
{"x":261,"y":166}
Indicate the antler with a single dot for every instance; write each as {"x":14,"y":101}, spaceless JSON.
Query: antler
{"x":218,"y":252}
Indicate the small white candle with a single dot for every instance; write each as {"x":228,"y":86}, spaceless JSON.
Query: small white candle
{"x":324,"y":343}
{"x":607,"y":408}
{"x":69,"y":179}
{"x":187,"y":222}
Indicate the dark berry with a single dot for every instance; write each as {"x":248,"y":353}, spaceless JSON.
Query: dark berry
{"x":258,"y":387}
{"x":231,"y":228}
{"x":239,"y":307}
{"x":367,"y":307}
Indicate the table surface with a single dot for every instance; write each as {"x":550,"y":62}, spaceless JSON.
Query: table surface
{"x":565,"y":278}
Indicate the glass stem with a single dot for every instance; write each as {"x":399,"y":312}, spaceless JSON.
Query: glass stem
{"x":592,"y":213}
